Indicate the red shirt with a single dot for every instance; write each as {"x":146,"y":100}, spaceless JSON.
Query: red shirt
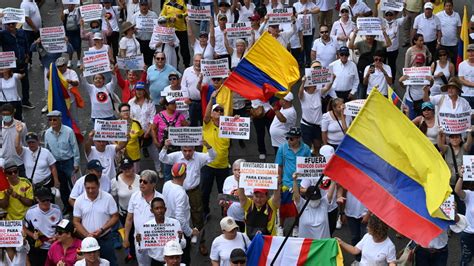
{"x":128,"y":92}
{"x":56,"y":253}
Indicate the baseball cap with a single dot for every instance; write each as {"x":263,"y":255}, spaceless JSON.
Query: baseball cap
{"x":428,"y":5}
{"x":31,"y":136}
{"x":54,"y":113}
{"x":61,"y":61}
{"x":215,"y":106}
{"x":97,"y":36}
{"x":95,"y":165}
{"x":228,"y":224}
{"x":106,"y":1}
{"x":43,"y":193}
{"x":178,"y":169}
{"x":289,"y":97}
{"x":419,"y":58}
{"x":9,"y":164}
{"x":427,"y":105}
{"x":238,"y":255}
{"x":294,"y":132}
{"x":173,"y":73}
{"x":260,"y":190}
{"x":140,"y":85}
{"x":65,"y":226}
{"x":172,"y":248}
{"x":312,"y":193}
{"x":255,"y":17}
{"x":344,"y":50}
{"x":203,"y":34}
{"x":126,"y":163}
{"x":143,"y":2}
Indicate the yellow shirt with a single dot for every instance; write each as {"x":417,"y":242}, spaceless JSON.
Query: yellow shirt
{"x":132,"y":150}
{"x":172,"y":10}
{"x":271,"y":227}
{"x":210,"y":133}
{"x":16,"y":210}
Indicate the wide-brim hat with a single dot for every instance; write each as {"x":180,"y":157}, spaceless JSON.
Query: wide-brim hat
{"x":126,"y":26}
{"x":452,"y":83}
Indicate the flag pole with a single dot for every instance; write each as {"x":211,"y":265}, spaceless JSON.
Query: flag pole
{"x":294,"y":224}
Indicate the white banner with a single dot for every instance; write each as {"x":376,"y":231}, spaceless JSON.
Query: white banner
{"x":145,"y":24}
{"x":394,"y":5}
{"x":110,"y":130}
{"x":234,"y":128}
{"x":53,"y":39}
{"x":369,"y":26}
{"x":7,"y":60}
{"x":71,"y":2}
{"x":179,"y":96}
{"x":157,"y":235}
{"x":199,"y":12}
{"x":468,"y":164}
{"x":310,"y":167}
{"x":95,"y":62}
{"x":13,"y":15}
{"x":215,"y":68}
{"x":317,"y":76}
{"x":10,"y":233}
{"x":162,"y":34}
{"x":185,"y":136}
{"x":417,"y":75}
{"x":91,"y":12}
{"x":306,"y":22}
{"x":447,"y":207}
{"x":455,"y":123}
{"x":280,"y":16}
{"x":134,"y":62}
{"x":258,"y":175}
{"x":353,"y":107}
{"x":242,"y":30}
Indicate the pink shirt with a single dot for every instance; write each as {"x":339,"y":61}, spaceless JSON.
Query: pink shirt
{"x":158,"y":121}
{"x":56,"y":253}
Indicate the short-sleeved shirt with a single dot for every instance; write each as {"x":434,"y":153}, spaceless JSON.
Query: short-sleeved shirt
{"x":43,"y":221}
{"x":314,"y":222}
{"x":467,"y":72}
{"x":333,"y":128}
{"x":9,"y":88}
{"x":271,"y":227}
{"x":378,"y":79}
{"x":95,"y":213}
{"x":376,"y":253}
{"x":45,"y":160}
{"x":286,"y":158}
{"x":449,"y":28}
{"x":222,"y":247}
{"x":140,"y":209}
{"x":325,"y":51}
{"x":130,"y":45}
{"x":210,"y":133}
{"x":161,"y":125}
{"x":278,"y":129}
{"x":106,"y":158}
{"x":469,"y":200}
{"x":16,"y":210}
{"x":427,"y":27}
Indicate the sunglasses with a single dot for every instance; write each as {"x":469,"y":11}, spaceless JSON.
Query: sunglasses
{"x":173,"y":79}
{"x":290,"y":138}
{"x":344,"y":11}
{"x":144,"y":181}
{"x":378,"y":59}
{"x":216,"y":79}
{"x":389,"y":15}
{"x":159,"y":58}
{"x":125,"y":111}
{"x":427,"y":109}
{"x":10,"y":172}
{"x":53,"y":119}
{"x":442,"y":54}
{"x":324,"y":32}
{"x":343,"y":54}
{"x":220,"y":110}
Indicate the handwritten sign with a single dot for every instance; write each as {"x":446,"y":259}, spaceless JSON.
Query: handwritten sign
{"x":394,"y":5}
{"x":280,"y":16}
{"x":10,"y":233}
{"x":455,"y":123}
{"x":145,"y":24}
{"x":91,"y":12}
{"x":234,"y":128}
{"x":110,"y":130}
{"x":306,"y":22}
{"x":13,"y":15}
{"x":417,"y":75}
{"x":369,"y":26}
{"x":185,"y":136}
{"x":157,"y":235}
{"x":310,"y":167}
{"x":447,"y":207}
{"x":7,"y":60}
{"x":468,"y":164}
{"x":242,"y":30}
{"x":215,"y":68}
{"x":95,"y":62}
{"x":134,"y":62}
{"x":199,"y":12}
{"x":316,"y":76}
{"x":353,"y":107}
{"x":258,"y":175}
{"x":162,"y":35}
{"x":53,"y":39}
{"x":179,"y":96}
{"x":71,"y":2}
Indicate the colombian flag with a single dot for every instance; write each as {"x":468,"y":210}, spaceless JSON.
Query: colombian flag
{"x":394,"y":170}
{"x":393,"y":97}
{"x":464,"y":40}
{"x":267,"y":69}
{"x":58,"y":99}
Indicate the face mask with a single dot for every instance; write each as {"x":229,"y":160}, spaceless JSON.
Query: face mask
{"x":7,"y":118}
{"x":95,"y":30}
{"x":314,"y":203}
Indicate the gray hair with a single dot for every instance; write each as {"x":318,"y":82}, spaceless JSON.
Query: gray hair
{"x":195,"y":55}
{"x":152,"y":175}
{"x":237,"y":162}
{"x":241,"y":41}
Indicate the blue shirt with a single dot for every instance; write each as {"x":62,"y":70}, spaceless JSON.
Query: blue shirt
{"x":17,"y":43}
{"x":286,"y":158}
{"x":158,"y":80}
{"x":63,"y":146}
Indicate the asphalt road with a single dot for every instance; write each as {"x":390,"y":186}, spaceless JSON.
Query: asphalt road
{"x":50,"y":11}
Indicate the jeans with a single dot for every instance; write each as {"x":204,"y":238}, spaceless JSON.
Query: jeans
{"x":113,"y":41}
{"x":358,"y":230}
{"x":184,"y":47}
{"x":204,"y":26}
{"x":467,"y":247}
{"x":37,"y":256}
{"x":107,"y":250}
{"x":423,"y":257}
{"x":65,"y":169}
{"x":307,"y":45}
{"x":166,"y":171}
{"x":260,"y":124}
{"x":208,"y":174}
{"x":195,"y":113}
{"x":298,"y":55}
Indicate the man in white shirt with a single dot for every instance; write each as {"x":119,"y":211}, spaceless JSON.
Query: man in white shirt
{"x":450,"y":30}
{"x":189,"y":83}
{"x":103,"y":152}
{"x":143,"y":35}
{"x":466,"y":75}
{"x":429,"y":26}
{"x":217,"y":39}
{"x":95,"y":213}
{"x":346,"y":79}
{"x":94,"y":167}
{"x":378,"y":75}
{"x":33,"y":21}
{"x":324,"y":48}
{"x":282,"y":37}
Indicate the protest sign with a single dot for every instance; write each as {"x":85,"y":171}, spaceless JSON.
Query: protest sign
{"x":7,"y":60}
{"x":71,"y":2}
{"x":215,"y":68}
{"x":310,"y":167}
{"x":95,"y":62}
{"x":179,"y":96}
{"x":417,"y":75}
{"x":144,"y":24}
{"x":258,"y":175}
{"x":185,"y":136}
{"x":455,"y":123}
{"x":242,"y":30}
{"x":280,"y":16}
{"x":306,"y":22}
{"x":316,"y":76}
{"x":13,"y":15}
{"x":447,"y":207}
{"x":157,"y":235}
{"x":468,"y":164}
{"x":10,"y":233}
{"x":91,"y":12}
{"x":369,"y":26}
{"x":110,"y":130}
{"x":353,"y":107}
{"x":53,"y":39}
{"x":234,"y":128}
{"x":162,"y":35}
{"x":394,"y":5}
{"x":199,"y":12}
{"x":134,"y":62}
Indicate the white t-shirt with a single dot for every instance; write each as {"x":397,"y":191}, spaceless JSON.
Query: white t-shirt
{"x":392,"y":29}
{"x":354,"y":208}
{"x":101,"y":102}
{"x":208,"y":53}
{"x":325,"y":51}
{"x":221,"y":247}
{"x":314,"y":222}
{"x":114,"y":11}
{"x":103,"y":262}
{"x":9,"y":88}
{"x":449,"y":28}
{"x":378,"y":79}
{"x":467,"y":71}
{"x":230,"y":188}
{"x":95,"y":213}
{"x":311,"y":108}
{"x":32,"y":11}
{"x":374,"y":254}
{"x":332,"y":127}
{"x":130,"y":45}
{"x":120,"y":189}
{"x":279,"y":129}
{"x":469,"y":200}
{"x":44,"y":221}
{"x":414,"y":93}
{"x":342,"y":29}
{"x":245,"y":13}
{"x":427,"y":26}
{"x":305,"y":183}
{"x":106,"y":158}
{"x":45,"y":160}
{"x":78,"y":188}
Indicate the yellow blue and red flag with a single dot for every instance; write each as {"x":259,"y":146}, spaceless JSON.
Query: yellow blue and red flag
{"x":394,"y":170}
{"x":464,"y":39}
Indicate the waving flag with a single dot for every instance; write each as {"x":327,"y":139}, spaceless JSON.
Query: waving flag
{"x":267,"y":69}
{"x":394,"y":170}
{"x":393,"y":97}
{"x":464,"y":40}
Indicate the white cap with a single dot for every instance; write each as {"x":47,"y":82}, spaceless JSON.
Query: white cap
{"x":172,"y":248}
{"x":428,"y":5}
{"x":228,"y":224}
{"x":327,"y":151}
{"x":89,"y":244}
{"x":97,"y":36}
{"x":289,"y":97}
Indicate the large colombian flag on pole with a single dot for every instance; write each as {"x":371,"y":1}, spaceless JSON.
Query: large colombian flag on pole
{"x":394,"y":170}
{"x":297,"y":251}
{"x":267,"y":69}
{"x":464,"y":40}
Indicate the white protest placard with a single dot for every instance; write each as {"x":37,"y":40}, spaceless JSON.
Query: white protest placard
{"x":242,"y":30}
{"x":134,"y":62}
{"x":91,"y":12}
{"x":199,"y":12}
{"x":53,"y":39}
{"x":95,"y":62}
{"x":468,"y":164}
{"x":310,"y":167}
{"x":234,"y":128}
{"x":394,"y":5}
{"x":157,"y":235}
{"x":369,"y":26}
{"x":144,"y":24}
{"x":179,"y":96}
{"x":447,"y":207}
{"x":353,"y":107}
{"x":71,"y":2}
{"x":306,"y":22}
{"x":317,"y":76}
{"x":280,"y":16}
{"x":7,"y":60}
{"x":185,"y":136}
{"x":162,"y":34}
{"x":258,"y":175}
{"x":10,"y":233}
{"x":13,"y":15}
{"x":218,"y":68}
{"x":455,"y":123}
{"x":417,"y":75}
{"x":110,"y":130}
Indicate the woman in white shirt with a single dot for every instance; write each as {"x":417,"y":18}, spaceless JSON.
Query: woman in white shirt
{"x":230,"y":239}
{"x":12,"y":256}
{"x":342,"y":28}
{"x":442,"y":70}
{"x":8,"y":86}
{"x":245,"y":11}
{"x":334,"y":123}
{"x":100,"y":94}
{"x":100,"y":46}
{"x":200,"y":45}
{"x":129,"y":46}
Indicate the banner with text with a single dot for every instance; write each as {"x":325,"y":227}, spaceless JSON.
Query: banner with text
{"x":10,"y":233}
{"x":91,"y":12}
{"x":13,"y":15}
{"x":157,"y":235}
{"x":95,"y":62}
{"x":162,"y":35}
{"x":280,"y":16}
{"x":185,"y":136}
{"x":242,"y":30}
{"x":310,"y":167}
{"x":258,"y":175}
{"x":53,"y":39}
{"x":215,"y":68}
{"x":447,"y":207}
{"x":468,"y":164}
{"x":317,"y":76}
{"x":179,"y":96}
{"x":306,"y":22}
{"x":353,"y":107}
{"x":234,"y":128}
{"x":7,"y":60}
{"x":71,"y":2}
{"x":455,"y":123}
{"x":199,"y":12}
{"x":417,"y":75}
{"x":394,"y":5}
{"x":110,"y":130}
{"x":134,"y":62}
{"x":145,"y":24}
{"x":369,"y":26}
